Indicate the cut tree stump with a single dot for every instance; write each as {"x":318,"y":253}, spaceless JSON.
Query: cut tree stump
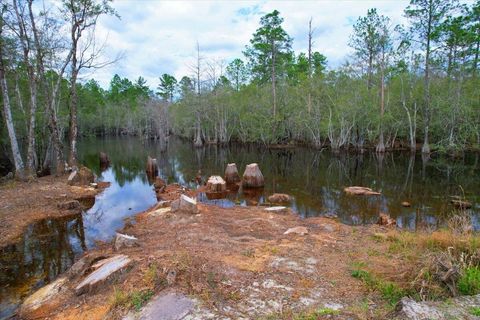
{"x":152,"y":169}
{"x":216,"y":184}
{"x":279,"y":198}
{"x":361,"y":191}
{"x":231,"y":174}
{"x":104,"y":160}
{"x":253,"y":177}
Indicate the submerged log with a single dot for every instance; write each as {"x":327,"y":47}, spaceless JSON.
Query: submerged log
{"x":104,"y":160}
{"x":461,"y":204}
{"x":231,"y":174}
{"x":361,"y":191}
{"x":253,"y":177}
{"x":216,"y":184}
{"x":152,"y":169}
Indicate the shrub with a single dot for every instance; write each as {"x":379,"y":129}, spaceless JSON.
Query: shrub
{"x":469,"y":281}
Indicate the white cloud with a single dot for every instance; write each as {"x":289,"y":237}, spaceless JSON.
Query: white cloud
{"x":159,"y":37}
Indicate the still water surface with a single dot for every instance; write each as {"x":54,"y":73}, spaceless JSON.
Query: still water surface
{"x":314,"y":178}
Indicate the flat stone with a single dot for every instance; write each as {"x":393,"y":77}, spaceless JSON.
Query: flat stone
{"x":276,"y":209}
{"x":169,"y":306}
{"x":42,"y":296}
{"x":186,"y":204}
{"x":124,"y":240}
{"x":105,"y":270}
{"x":455,"y":308}
{"x":297,"y":230}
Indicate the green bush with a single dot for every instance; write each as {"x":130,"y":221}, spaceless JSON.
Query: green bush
{"x":469,"y":282}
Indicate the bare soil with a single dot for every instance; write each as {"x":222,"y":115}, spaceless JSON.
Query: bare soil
{"x":22,"y":203}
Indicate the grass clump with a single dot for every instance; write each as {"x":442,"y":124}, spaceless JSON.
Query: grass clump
{"x":389,"y":291}
{"x":475,"y":311}
{"x":469,"y":281}
{"x":135,"y":299}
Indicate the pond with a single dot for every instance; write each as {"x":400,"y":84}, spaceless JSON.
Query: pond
{"x":314,"y":178}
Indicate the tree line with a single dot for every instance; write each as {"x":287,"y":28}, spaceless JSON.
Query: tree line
{"x":404,"y":87}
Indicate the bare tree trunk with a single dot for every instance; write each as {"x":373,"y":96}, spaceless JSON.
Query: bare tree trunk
{"x":381,"y":144}
{"x":17,"y":158}
{"x":426,"y":113}
{"x":274,"y":93}
{"x":310,"y":36}
{"x":50,"y":97}
{"x":32,"y":82}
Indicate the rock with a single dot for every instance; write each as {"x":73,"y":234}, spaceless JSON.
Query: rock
{"x":82,"y":177}
{"x":331,"y":215}
{"x":461,"y":204}
{"x":456,"y":308}
{"x":276,"y":209}
{"x":158,"y":183}
{"x":231,"y":174}
{"x":279,"y":198}
{"x":106,"y":269}
{"x":42,"y":298}
{"x":406,"y":204}
{"x":185,"y":204}
{"x":297,"y":230}
{"x":385,"y":220}
{"x":166,"y":306}
{"x":171,"y":276}
{"x":253,"y":177}
{"x":123,"y":240}
{"x":216,"y":184}
{"x":361,"y":191}
{"x":104,"y":160}
{"x":68,"y":205}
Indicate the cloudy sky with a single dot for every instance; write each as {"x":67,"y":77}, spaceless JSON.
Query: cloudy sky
{"x":156,"y":37}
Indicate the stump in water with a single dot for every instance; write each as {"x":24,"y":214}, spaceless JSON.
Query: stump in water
{"x":216,"y":184}
{"x":104,"y":160}
{"x":231,"y":174}
{"x":152,"y":169}
{"x":253,"y":177}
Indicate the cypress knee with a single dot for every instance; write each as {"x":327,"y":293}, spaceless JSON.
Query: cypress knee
{"x":231,"y":174}
{"x":253,"y":177}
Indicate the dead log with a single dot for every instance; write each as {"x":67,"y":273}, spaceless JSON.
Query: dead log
{"x":361,"y":191}
{"x":461,"y":204}
{"x":231,"y":174}
{"x":253,"y":177}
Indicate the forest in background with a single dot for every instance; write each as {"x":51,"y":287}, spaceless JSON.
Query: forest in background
{"x":405,"y":87}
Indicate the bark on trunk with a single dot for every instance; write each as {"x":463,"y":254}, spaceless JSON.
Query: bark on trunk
{"x":17,"y":158}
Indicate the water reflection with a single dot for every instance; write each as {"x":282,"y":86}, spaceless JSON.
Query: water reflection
{"x":47,"y":248}
{"x":315,"y":179}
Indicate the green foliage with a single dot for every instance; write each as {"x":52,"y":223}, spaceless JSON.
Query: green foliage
{"x":167,"y":87}
{"x":475,"y":311}
{"x":469,"y":281}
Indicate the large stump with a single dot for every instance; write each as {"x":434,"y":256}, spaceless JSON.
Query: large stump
{"x":253,"y":177}
{"x":231,"y":174}
{"x":152,"y":169}
{"x":185,"y":204}
{"x":216,"y":184}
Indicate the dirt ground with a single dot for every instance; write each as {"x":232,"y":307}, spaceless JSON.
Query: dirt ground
{"x":237,"y":263}
{"x":22,"y":203}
